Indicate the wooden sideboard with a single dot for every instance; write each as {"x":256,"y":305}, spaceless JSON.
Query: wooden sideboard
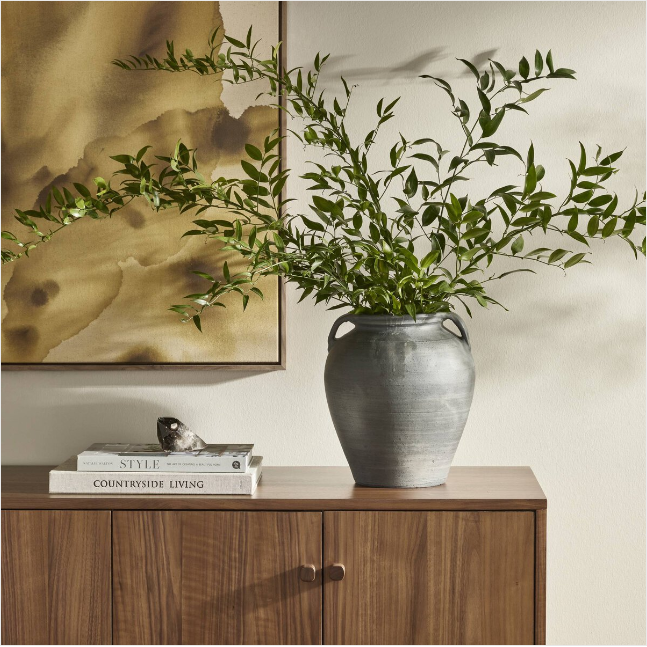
{"x":310,"y":558}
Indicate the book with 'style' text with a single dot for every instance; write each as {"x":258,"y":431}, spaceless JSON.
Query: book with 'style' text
{"x":66,"y":479}
{"x":128,"y":457}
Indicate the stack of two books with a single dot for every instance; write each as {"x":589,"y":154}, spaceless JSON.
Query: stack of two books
{"x":122,"y":468}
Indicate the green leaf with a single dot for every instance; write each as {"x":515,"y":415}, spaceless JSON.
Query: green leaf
{"x":611,"y":207}
{"x":549,"y":61}
{"x":226,"y":273}
{"x":426,"y":158}
{"x":475,"y":232}
{"x":490,"y":126}
{"x":609,"y":159}
{"x":270,"y":144}
{"x":473,"y":216}
{"x":533,"y":95}
{"x":562,"y":73}
{"x":276,"y":189}
{"x":464,"y":111}
{"x":323,"y":204}
{"x":593,"y":226}
{"x":234,"y":42}
{"x":429,"y":259}
{"x":253,"y":152}
{"x":251,"y":170}
{"x":541,"y":195}
{"x":539,"y":63}
{"x":411,"y":310}
{"x":582,"y":165}
{"x":485,"y":102}
{"x":629,"y":224}
{"x":572,"y":222}
{"x":196,"y":321}
{"x":122,"y":159}
{"x":580,"y":198}
{"x":204,"y":275}
{"x":456,"y":162}
{"x":557,"y":255}
{"x":311,"y":224}
{"x":531,"y":180}
{"x":600,"y":200}
{"x":82,"y":190}
{"x":411,"y":184}
{"x":141,"y":153}
{"x":473,"y":69}
{"x":524,"y":68}
{"x":609,"y":227}
{"x":517,"y":246}
{"x":574,"y":260}
{"x":523,"y":269}
{"x":252,"y":237}
{"x":578,"y":237}
{"x":458,"y":209}
{"x":597,"y":170}
{"x":430,"y":214}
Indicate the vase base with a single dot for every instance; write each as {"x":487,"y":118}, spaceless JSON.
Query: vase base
{"x":401,"y":486}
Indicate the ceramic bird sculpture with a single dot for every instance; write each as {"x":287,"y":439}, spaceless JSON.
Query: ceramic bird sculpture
{"x":175,"y":436}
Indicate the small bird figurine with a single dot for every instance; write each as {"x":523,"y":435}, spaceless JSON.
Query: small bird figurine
{"x":175,"y":436}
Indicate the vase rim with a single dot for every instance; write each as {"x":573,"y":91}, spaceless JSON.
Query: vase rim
{"x":396,"y":320}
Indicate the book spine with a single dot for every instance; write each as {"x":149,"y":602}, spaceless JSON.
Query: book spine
{"x":120,"y":483}
{"x":192,"y":465}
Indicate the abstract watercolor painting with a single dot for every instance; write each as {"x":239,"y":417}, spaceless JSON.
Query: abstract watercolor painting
{"x":99,"y":294}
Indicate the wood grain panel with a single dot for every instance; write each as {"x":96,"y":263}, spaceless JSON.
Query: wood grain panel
{"x":147,"y":578}
{"x":540,"y":577}
{"x":25,"y":600}
{"x":233,"y":579}
{"x":430,"y":578}
{"x":299,"y":488}
{"x":56,"y":577}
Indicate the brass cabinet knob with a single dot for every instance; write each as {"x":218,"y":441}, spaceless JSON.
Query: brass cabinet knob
{"x":337,"y":572}
{"x":307,"y":573}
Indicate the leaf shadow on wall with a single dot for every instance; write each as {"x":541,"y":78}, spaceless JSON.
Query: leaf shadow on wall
{"x":559,"y":327}
{"x":406,"y":69}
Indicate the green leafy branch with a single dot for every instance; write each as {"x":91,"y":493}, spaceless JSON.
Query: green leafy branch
{"x":347,"y":251}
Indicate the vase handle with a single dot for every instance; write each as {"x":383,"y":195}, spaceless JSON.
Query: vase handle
{"x":333,"y":331}
{"x":460,"y":324}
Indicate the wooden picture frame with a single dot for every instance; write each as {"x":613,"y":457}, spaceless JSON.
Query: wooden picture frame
{"x":279,"y":364}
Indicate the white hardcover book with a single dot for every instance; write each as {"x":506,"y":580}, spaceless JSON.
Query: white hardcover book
{"x":125,"y":457}
{"x":66,"y":479}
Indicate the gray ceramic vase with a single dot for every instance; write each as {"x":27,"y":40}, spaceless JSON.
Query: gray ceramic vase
{"x":399,"y":392}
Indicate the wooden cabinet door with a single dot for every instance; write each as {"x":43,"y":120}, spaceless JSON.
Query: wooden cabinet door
{"x":56,"y":577}
{"x":429,"y":578}
{"x":216,"y":577}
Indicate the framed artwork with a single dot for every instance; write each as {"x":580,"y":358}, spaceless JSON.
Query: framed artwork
{"x":97,"y":296}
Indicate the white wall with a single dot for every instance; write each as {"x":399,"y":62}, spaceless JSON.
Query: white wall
{"x":560,"y":378}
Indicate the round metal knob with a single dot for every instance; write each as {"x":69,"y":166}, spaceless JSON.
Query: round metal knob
{"x":337,"y":572}
{"x":307,"y":573}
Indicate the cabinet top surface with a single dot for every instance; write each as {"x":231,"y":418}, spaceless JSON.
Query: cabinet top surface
{"x":297,"y":488}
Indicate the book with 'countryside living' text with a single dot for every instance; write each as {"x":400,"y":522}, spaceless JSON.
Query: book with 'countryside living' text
{"x":66,"y":479}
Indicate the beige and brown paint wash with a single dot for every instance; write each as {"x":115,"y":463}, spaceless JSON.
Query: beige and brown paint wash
{"x":99,"y":292}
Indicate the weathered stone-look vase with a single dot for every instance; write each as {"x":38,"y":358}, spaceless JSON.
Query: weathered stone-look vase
{"x":399,"y":392}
